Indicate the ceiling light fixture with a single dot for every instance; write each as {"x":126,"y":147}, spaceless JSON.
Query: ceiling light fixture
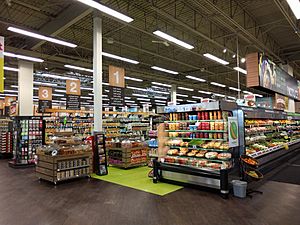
{"x":163,"y":70}
{"x":161,"y":84}
{"x":56,"y":76}
{"x":218,"y":84}
{"x":11,"y":91}
{"x":224,"y":50}
{"x":205,"y":92}
{"x":179,"y":100}
{"x":134,"y":79}
{"x":79,"y":68}
{"x":41,"y":37}
{"x":248,"y":92}
{"x":58,"y":95}
{"x":119,"y":58}
{"x":160,"y":97}
{"x":160,"y":101}
{"x":239,"y":69}
{"x":43,"y":83}
{"x":197,"y":97}
{"x":191,"y":101}
{"x":219,"y":95}
{"x":185,"y":96}
{"x":11,"y":69}
{"x":29,"y":58}
{"x":186,"y":89}
{"x":234,"y":89}
{"x":143,"y":99}
{"x":243,"y":60}
{"x":173,"y":39}
{"x":195,"y":78}
{"x":257,"y":95}
{"x":127,"y":98}
{"x":130,"y":101}
{"x":85,"y":97}
{"x":107,"y":10}
{"x":216,"y":59}
{"x":140,"y":95}
{"x":295,"y":7}
{"x":231,"y":97}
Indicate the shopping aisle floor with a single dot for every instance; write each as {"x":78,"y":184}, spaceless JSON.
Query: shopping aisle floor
{"x":25,"y":201}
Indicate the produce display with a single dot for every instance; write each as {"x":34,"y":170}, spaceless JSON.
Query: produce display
{"x":264,"y":136}
{"x":198,"y":139}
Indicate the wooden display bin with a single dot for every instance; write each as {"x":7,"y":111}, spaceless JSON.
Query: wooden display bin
{"x":63,"y":167}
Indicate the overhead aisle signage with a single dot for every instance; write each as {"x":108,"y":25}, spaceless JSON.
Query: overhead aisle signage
{"x":1,"y":64}
{"x":117,"y":84}
{"x":45,"y":99}
{"x":73,"y":94}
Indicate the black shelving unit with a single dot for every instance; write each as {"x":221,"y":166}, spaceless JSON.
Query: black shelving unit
{"x":28,"y":134}
{"x":100,"y":156}
{"x":6,"y":140}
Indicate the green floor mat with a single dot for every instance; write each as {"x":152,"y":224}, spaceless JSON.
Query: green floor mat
{"x":137,"y":178}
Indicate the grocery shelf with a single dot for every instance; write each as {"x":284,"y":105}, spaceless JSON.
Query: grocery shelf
{"x":194,"y":121}
{"x":207,"y":149}
{"x":72,"y":168}
{"x":201,"y":158}
{"x":196,"y":131}
{"x":197,"y":139}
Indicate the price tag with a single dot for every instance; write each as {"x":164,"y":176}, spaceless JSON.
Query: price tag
{"x":194,"y":146}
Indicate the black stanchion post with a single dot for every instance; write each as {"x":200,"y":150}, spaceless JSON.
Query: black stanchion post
{"x":224,"y":183}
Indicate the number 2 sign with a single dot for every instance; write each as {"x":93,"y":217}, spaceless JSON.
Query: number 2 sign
{"x":73,"y":87}
{"x":116,"y":76}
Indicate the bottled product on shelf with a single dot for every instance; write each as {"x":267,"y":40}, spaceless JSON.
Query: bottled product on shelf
{"x":67,"y":158}
{"x":6,"y":141}
{"x":28,"y":135}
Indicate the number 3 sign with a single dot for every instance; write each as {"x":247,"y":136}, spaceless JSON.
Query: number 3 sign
{"x":73,"y":87}
{"x":45,"y":93}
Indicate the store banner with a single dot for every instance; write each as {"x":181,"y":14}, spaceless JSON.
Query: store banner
{"x":1,"y":64}
{"x":45,"y":99}
{"x":233,"y":131}
{"x":117,"y":84}
{"x":8,"y":101}
{"x":250,"y":100}
{"x":73,"y":94}
{"x":116,"y":76}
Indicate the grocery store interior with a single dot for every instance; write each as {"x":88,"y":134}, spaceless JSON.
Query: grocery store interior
{"x":149,"y":112}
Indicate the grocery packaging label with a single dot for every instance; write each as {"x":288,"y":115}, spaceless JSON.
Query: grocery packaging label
{"x":233,"y":132}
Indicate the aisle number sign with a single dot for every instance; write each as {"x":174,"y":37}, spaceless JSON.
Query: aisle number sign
{"x":116,"y":76}
{"x":73,"y":94}
{"x":1,"y":64}
{"x":45,"y":98}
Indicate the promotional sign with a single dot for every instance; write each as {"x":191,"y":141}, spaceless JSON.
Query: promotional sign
{"x":8,"y":101}
{"x":1,"y":64}
{"x":233,"y":131}
{"x":1,"y":107}
{"x":45,"y":99}
{"x":274,"y":78}
{"x":250,"y":100}
{"x":116,"y":76}
{"x":116,"y":96}
{"x":13,"y":111}
{"x":265,"y":102}
{"x":73,"y":94}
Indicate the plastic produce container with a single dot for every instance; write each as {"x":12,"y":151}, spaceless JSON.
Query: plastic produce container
{"x":239,"y":188}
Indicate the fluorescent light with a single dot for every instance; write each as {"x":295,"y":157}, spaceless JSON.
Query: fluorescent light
{"x":196,"y":97}
{"x":58,"y":95}
{"x":129,"y":101}
{"x":234,"y":89}
{"x":160,"y":101}
{"x":217,"y":84}
{"x":134,"y":79}
{"x":243,"y":60}
{"x":163,"y":70}
{"x":9,"y":95}
{"x":295,"y":7}
{"x":160,"y":97}
{"x":240,"y":70}
{"x":160,"y":104}
{"x":56,"y":76}
{"x":86,"y":88}
{"x":195,"y":78}
{"x":248,"y":92}
{"x":257,"y":95}
{"x":11,"y":69}
{"x":106,"y":91}
{"x":147,"y":103}
{"x":216,"y":59}
{"x":127,"y":98}
{"x":179,"y":100}
{"x":139,"y":95}
{"x":107,"y":10}
{"x":231,"y":97}
{"x":143,"y":99}
{"x":61,"y":91}
{"x":9,"y":54}
{"x":119,"y":58}
{"x":84,"y":97}
{"x":11,"y":91}
{"x":14,"y":86}
{"x":219,"y":95}
{"x":205,"y":92}
{"x":43,"y":83}
{"x":186,"y":89}
{"x":185,"y":96}
{"x":107,"y":84}
{"x":136,"y":88}
{"x":191,"y":101}
{"x":35,"y":88}
{"x":172,"y":39}
{"x":161,"y":84}
{"x":105,"y":99}
{"x":63,"y":99}
{"x":79,"y":68}
{"x":42,"y":37}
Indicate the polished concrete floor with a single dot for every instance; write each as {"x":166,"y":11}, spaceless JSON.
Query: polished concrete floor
{"x":26,"y":201}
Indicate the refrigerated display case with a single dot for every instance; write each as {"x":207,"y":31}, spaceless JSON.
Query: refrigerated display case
{"x":198,"y":144}
{"x":28,"y":134}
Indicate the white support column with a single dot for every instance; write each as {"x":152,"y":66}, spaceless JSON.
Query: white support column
{"x":25,"y":79}
{"x":97,"y":77}
{"x":173,"y":94}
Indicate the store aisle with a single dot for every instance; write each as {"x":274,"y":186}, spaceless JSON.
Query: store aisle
{"x":25,"y":201}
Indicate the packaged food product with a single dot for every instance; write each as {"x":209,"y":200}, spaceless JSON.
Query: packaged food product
{"x":206,"y":116}
{"x":202,"y":116}
{"x":201,"y":153}
{"x":220,"y":136}
{"x":215,"y":115}
{"x":199,"y":116}
{"x":219,"y":115}
{"x":224,"y":156}
{"x":215,"y":136}
{"x":171,"y":116}
{"x":206,"y":135}
{"x":211,"y":116}
{"x":221,"y":126}
{"x":211,"y":155}
{"x":211,"y":135}
{"x":212,"y":125}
